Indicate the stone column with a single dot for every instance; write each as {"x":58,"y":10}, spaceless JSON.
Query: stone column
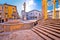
{"x":59,"y":13}
{"x":54,"y":9}
{"x":59,"y":9}
{"x":44,"y":9}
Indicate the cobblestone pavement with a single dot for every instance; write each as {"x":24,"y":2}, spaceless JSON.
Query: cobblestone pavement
{"x":47,"y":30}
{"x":4,"y":35}
{"x":23,"y":35}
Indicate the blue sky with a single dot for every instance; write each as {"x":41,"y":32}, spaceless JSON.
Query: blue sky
{"x":30,"y":4}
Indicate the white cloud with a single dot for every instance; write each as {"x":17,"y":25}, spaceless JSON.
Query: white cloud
{"x":50,"y":3}
{"x":30,"y":5}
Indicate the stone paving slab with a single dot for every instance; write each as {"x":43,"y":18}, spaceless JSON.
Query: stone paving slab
{"x":23,"y":35}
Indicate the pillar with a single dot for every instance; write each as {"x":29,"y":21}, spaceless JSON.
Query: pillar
{"x":59,"y":12}
{"x":54,"y":9}
{"x":59,"y":9}
{"x":44,"y":9}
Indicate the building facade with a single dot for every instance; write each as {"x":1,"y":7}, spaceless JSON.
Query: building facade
{"x":50,"y":14}
{"x":1,"y":14}
{"x":32,"y":15}
{"x":8,"y":11}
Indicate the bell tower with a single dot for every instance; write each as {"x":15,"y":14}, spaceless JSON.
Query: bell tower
{"x":24,"y":6}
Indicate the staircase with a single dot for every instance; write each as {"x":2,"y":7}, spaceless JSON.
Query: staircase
{"x":48,"y":29}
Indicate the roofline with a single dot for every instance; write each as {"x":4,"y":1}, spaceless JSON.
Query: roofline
{"x":8,"y":4}
{"x":57,"y":9}
{"x":34,"y":10}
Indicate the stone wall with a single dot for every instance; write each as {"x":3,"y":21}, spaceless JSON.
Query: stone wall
{"x":12,"y":27}
{"x":27,"y":26}
{"x":9,"y":27}
{"x":1,"y":28}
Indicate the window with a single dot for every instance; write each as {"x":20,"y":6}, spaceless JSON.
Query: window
{"x":6,"y":13}
{"x":35,"y":17}
{"x":36,"y":13}
{"x":0,"y":13}
{"x":39,"y":14}
{"x":14,"y":12}
{"x":26,"y":15}
{"x":31,"y":13}
{"x":6,"y":7}
{"x":14,"y":9}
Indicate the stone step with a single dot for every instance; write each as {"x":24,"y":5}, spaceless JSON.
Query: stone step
{"x":46,"y":33}
{"x":44,"y":37}
{"x":53,"y":27}
{"x":51,"y":31}
{"x":56,"y":30}
{"x":58,"y":26}
{"x":46,"y":23}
